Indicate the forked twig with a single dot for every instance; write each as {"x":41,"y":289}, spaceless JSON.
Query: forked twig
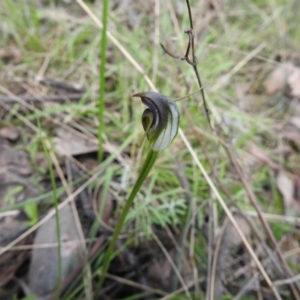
{"x":192,"y":61}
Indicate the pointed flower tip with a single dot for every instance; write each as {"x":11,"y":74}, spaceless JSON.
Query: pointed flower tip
{"x":137,"y":95}
{"x":160,"y":120}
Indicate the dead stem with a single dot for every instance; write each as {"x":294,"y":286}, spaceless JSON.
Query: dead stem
{"x":192,"y":61}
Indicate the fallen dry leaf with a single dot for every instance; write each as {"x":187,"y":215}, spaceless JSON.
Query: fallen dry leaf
{"x":103,"y":206}
{"x":260,"y":155}
{"x":43,"y":271}
{"x":295,"y":121}
{"x":277,"y":79}
{"x":294,"y":82}
{"x":284,"y":74}
{"x":11,"y":226}
{"x":292,"y":136}
{"x":231,"y":238}
{"x":69,"y":144}
{"x":10,"y":53}
{"x":16,"y":183}
{"x":286,"y":187}
{"x":14,"y":157}
{"x":160,"y":273}
{"x":295,"y":107}
{"x":10,"y":133}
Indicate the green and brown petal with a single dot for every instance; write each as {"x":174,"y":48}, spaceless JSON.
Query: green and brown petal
{"x":160,"y":120}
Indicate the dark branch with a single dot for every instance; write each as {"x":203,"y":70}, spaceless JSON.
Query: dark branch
{"x":192,"y":61}
{"x":190,"y":13}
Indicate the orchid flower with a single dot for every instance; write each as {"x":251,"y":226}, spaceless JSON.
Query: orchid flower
{"x":160,"y":120}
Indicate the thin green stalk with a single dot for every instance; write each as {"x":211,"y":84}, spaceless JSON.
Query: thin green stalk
{"x":148,"y":164}
{"x":55,"y":201}
{"x":102,"y":79}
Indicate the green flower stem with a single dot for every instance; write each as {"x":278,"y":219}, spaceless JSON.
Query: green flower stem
{"x":147,"y":166}
{"x":102,"y":80}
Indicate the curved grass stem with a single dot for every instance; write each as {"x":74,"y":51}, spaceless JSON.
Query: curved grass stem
{"x":147,"y":166}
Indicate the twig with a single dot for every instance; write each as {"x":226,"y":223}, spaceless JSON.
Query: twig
{"x":210,"y":290}
{"x":192,"y":61}
{"x":136,"y":285}
{"x":180,"y":290}
{"x":170,"y":260}
{"x":56,"y":98}
{"x":210,"y":238}
{"x":60,"y":84}
{"x":288,"y":280}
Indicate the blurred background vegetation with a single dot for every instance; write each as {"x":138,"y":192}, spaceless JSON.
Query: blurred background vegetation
{"x":178,"y":242}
